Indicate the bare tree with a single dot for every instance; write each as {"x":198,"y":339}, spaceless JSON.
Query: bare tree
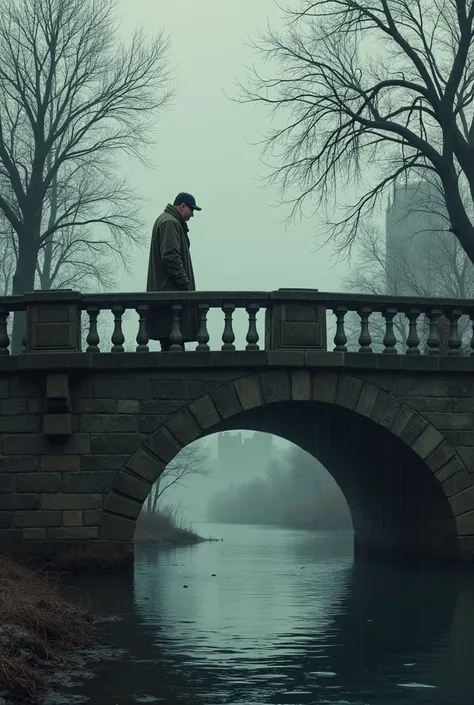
{"x":192,"y":460}
{"x":371,"y":92}
{"x":73,"y":97}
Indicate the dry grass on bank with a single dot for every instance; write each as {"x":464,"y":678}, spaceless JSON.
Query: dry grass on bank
{"x":38,"y":626}
{"x":163,"y":527}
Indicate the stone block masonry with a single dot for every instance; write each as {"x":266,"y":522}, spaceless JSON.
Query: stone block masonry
{"x":84,"y":488}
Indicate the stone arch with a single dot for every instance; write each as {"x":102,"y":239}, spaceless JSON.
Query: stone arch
{"x":220,"y":408}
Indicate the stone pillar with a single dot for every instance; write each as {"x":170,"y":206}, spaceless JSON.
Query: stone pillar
{"x":53,"y":321}
{"x":293,"y":323}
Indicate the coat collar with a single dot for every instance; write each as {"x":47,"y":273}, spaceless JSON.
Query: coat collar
{"x":171,"y":210}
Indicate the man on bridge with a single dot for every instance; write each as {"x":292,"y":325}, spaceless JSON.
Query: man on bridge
{"x":170,"y":269}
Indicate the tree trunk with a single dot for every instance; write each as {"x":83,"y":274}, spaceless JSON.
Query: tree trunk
{"x":46,"y":273}
{"x":23,"y":282}
{"x":156,"y":495}
{"x":461,"y":226}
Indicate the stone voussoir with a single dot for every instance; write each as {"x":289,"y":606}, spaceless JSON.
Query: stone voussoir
{"x":116,"y":528}
{"x":132,"y":486}
{"x":204,"y":412}
{"x":183,"y":427}
{"x":427,"y":442}
{"x":367,"y":398}
{"x":162,"y":445}
{"x":249,"y":392}
{"x":145,"y":466}
{"x":348,"y":391}
{"x":123,"y":506}
{"x":462,"y":502}
{"x":386,"y":409}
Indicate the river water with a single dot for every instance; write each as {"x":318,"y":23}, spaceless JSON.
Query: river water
{"x":284,"y":617}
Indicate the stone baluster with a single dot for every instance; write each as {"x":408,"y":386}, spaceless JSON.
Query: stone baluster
{"x":203,"y":333}
{"x":4,"y":337}
{"x":413,"y":339}
{"x":93,"y":338}
{"x":228,"y":336}
{"x":433,"y":342}
{"x":340,"y":339}
{"x":364,"y":339}
{"x":176,"y":337}
{"x":118,"y":337}
{"x":252,"y":334}
{"x":454,"y":340}
{"x":142,"y":335}
{"x":389,"y":340}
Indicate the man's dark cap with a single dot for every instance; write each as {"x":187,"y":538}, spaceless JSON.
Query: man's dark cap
{"x":188,"y":199}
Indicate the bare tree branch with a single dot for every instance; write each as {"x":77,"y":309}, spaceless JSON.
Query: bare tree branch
{"x":365,"y":93}
{"x":192,"y":460}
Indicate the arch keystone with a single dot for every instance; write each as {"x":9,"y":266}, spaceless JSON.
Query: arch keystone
{"x":300,"y":385}
{"x":275,"y":386}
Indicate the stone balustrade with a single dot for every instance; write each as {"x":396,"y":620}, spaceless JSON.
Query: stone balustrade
{"x":294,"y":319}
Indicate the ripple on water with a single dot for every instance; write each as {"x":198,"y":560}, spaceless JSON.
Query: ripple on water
{"x":264,"y":630}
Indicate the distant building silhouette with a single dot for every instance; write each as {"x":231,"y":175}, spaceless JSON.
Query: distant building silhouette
{"x":415,"y":228}
{"x":242,"y":457}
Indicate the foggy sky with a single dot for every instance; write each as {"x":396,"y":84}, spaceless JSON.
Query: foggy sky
{"x":206,"y":145}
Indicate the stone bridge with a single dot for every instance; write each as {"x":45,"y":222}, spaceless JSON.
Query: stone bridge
{"x":84,"y":434}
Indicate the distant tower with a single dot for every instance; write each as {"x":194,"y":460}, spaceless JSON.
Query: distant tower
{"x":242,"y":458}
{"x":414,"y":224}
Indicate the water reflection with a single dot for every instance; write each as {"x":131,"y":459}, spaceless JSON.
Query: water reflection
{"x":286,"y":618}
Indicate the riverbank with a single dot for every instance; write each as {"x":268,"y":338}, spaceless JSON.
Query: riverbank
{"x":164,"y":527}
{"x":39,"y":627}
